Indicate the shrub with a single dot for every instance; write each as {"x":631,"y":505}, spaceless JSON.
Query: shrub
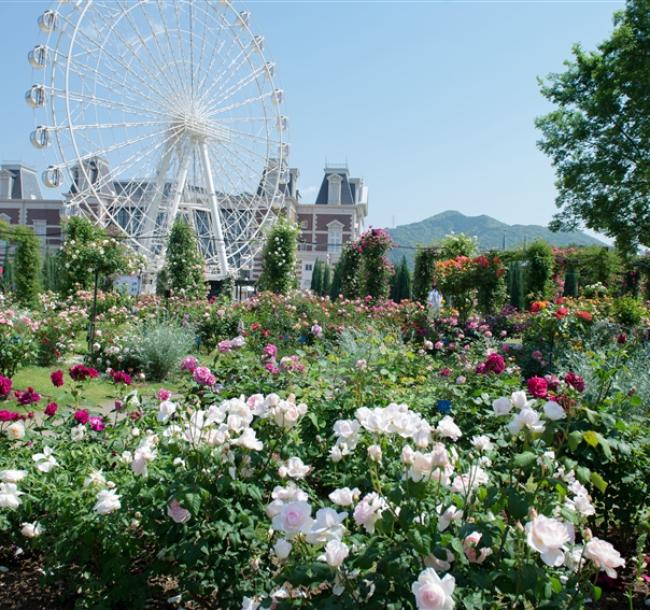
{"x":350,"y":266}
{"x":161,"y":348}
{"x":184,"y":271}
{"x":628,"y":311}
{"x":539,"y":270}
{"x":425,"y":264}
{"x":516,"y":286}
{"x":376,"y":269}
{"x":458,"y":244}
{"x":27,"y":265}
{"x":279,"y":258}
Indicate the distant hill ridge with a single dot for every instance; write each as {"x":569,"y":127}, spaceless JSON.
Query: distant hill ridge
{"x":489,"y":231}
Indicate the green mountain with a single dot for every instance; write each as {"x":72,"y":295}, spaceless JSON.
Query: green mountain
{"x":489,"y":231}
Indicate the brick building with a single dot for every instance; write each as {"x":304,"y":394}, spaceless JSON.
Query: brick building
{"x":21,"y":203}
{"x":335,"y":218}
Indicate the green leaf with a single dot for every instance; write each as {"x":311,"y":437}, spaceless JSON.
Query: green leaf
{"x":598,"y":481}
{"x":524,"y":460}
{"x":575,"y":438}
{"x":517,"y":504}
{"x":590,"y":437}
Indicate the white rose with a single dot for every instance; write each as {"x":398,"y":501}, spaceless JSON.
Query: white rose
{"x":31,"y":530}
{"x":9,"y":495}
{"x":433,"y":593}
{"x":344,"y":496}
{"x":166,"y":410}
{"x":107,"y":502}
{"x":293,"y":518}
{"x":548,"y":537}
{"x":248,"y":439}
{"x":78,"y":432}
{"x":502,"y":406}
{"x":327,"y":526}
{"x":526,"y":418}
{"x":12,"y":476}
{"x":282,"y":548}
{"x":335,"y":553}
{"x":482,"y":442}
{"x":447,"y":428}
{"x":519,"y":399}
{"x":16,"y":431}
{"x":451,"y":514}
{"x":554,"y":411}
{"x":604,"y":556}
{"x":294,"y":468}
{"x":374,"y":453}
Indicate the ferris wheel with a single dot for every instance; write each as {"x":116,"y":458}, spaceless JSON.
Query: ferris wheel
{"x":159,"y":109}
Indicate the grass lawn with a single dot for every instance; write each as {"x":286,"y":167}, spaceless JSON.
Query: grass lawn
{"x":98,"y":392}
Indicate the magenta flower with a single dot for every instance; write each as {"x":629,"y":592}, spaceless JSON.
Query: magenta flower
{"x":121,"y":377}
{"x":537,"y":387}
{"x":5,"y":386}
{"x":57,"y":378}
{"x":224,"y":346}
{"x":9,"y":416}
{"x":82,"y":416}
{"x":189,"y":364}
{"x":163,"y":394}
{"x":80,"y":372}
{"x":270,"y":351}
{"x":96,"y":423}
{"x":27,"y":397}
{"x":203,"y":376}
{"x":51,"y":409}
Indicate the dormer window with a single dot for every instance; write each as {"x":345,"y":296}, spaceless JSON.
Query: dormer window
{"x":334,"y":237}
{"x":334,"y":189}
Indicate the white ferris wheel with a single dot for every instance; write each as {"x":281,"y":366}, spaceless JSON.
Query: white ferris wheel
{"x":159,"y":109}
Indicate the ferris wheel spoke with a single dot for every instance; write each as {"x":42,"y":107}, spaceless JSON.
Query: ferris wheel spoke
{"x":237,"y":105}
{"x":115,"y":58}
{"x":172,"y":48}
{"x":237,"y":62}
{"x":112,"y":84}
{"x":243,"y":82}
{"x":176,"y":87}
{"x":255,"y":173}
{"x":253,"y":137}
{"x":233,"y":146}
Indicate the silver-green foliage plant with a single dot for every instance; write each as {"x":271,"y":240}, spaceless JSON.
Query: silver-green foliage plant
{"x":160,"y":348}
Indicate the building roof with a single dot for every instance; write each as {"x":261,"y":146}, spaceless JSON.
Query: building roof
{"x":21,"y":182}
{"x":347,"y":192}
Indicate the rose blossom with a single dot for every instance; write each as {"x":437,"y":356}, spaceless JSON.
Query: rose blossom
{"x":82,"y":416}
{"x":189,"y":364}
{"x":537,"y":387}
{"x":163,"y":394}
{"x":282,"y":548}
{"x":9,"y":495}
{"x":57,"y":378}
{"x":177,"y":513}
{"x":203,"y":376}
{"x":345,"y":496}
{"x":554,"y":411}
{"x":51,"y":409}
{"x":604,"y":556}
{"x":31,"y":530}
{"x":108,"y":501}
{"x":548,"y":537}
{"x":433,"y":593}
{"x":12,"y":476}
{"x":335,"y":553}
{"x":502,"y":406}
{"x":293,"y":518}
{"x":15,"y":431}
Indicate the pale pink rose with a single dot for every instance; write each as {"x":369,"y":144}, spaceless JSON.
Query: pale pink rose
{"x":433,"y":593}
{"x":177,"y":513}
{"x":549,"y":537}
{"x":604,"y":555}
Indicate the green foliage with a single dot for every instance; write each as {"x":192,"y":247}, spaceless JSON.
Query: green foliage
{"x":335,"y":287}
{"x":327,"y":280}
{"x":89,"y":249}
{"x":597,"y":136}
{"x":376,"y":270}
{"x":350,"y":268}
{"x":425,"y":265}
{"x":52,"y":272}
{"x":539,"y":270}
{"x":516,"y":286}
{"x":279,"y":258}
{"x":628,"y":311}
{"x":454,"y":245}
{"x":161,"y":348}
{"x":401,"y":283}
{"x":27,"y":265}
{"x":316,"y":285}
{"x":571,"y":283}
{"x":184,"y":269}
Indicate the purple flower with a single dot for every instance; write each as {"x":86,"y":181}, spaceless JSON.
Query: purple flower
{"x":96,"y":423}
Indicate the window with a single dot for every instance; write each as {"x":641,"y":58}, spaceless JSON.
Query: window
{"x":304,"y":224}
{"x":309,"y":266}
{"x":334,"y":237}
{"x":40,"y":229}
{"x":334,"y":189}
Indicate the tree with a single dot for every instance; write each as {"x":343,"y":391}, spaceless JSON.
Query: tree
{"x":376,"y":270}
{"x":425,"y":265}
{"x":27,"y":265}
{"x":327,"y":280}
{"x":539,"y":270}
{"x":316,"y":285}
{"x":598,"y":137}
{"x":279,"y":258}
{"x":516,"y":285}
{"x":335,"y":287}
{"x":571,"y":283}
{"x":401,"y":284}
{"x":350,"y":265}
{"x":184,"y":265}
{"x":89,"y":251}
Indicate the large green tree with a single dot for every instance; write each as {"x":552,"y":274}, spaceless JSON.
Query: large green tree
{"x":184,"y":271}
{"x":598,"y":135}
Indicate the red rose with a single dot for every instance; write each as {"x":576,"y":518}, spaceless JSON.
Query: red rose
{"x":51,"y":409}
{"x":57,"y":378}
{"x":82,"y":416}
{"x":584,"y":315}
{"x":538,"y":387}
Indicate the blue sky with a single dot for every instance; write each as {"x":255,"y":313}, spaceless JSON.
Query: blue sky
{"x":432,"y":103}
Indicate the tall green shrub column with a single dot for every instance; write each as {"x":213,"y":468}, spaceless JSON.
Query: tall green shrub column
{"x":184,"y":268}
{"x":539,"y":259}
{"x":349,"y":267}
{"x":425,"y":264}
{"x":376,"y":270}
{"x":27,"y":265}
{"x":279,"y":258}
{"x":516,"y":285}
